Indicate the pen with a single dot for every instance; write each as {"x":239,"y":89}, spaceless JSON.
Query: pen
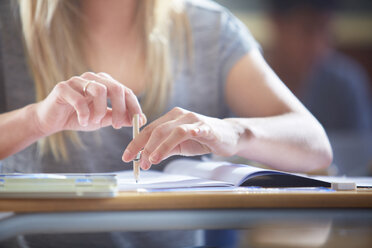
{"x":136,"y":167}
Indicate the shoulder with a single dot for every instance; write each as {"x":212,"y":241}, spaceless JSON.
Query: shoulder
{"x":204,"y":6}
{"x":206,"y":13}
{"x":213,"y":21}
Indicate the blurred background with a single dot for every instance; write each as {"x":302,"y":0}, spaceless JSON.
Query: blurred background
{"x":322,"y":50}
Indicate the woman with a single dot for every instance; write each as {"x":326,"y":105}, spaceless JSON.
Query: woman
{"x":191,"y":64}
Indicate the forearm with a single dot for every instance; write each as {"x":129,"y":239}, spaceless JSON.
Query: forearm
{"x":292,"y":142}
{"x":18,"y":130}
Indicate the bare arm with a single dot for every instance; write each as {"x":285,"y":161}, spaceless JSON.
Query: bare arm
{"x":282,"y":133}
{"x":68,"y":107}
{"x":18,"y":130}
{"x":275,"y":128}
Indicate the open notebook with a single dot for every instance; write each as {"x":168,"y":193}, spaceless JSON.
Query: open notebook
{"x":187,"y":173}
{"x":178,"y":175}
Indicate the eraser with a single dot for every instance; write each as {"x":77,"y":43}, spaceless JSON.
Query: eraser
{"x":344,"y":186}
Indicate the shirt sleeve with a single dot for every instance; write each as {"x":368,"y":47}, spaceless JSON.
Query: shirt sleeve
{"x":235,"y":42}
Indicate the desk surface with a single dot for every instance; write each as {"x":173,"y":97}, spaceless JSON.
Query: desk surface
{"x":185,"y":211}
{"x":194,"y":200}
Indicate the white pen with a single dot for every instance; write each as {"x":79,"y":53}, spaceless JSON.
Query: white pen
{"x":136,"y":167}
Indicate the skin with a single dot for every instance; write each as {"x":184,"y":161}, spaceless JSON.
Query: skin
{"x":282,"y":133}
{"x":68,"y":108}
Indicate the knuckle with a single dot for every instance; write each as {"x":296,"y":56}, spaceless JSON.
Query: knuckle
{"x":105,"y":75}
{"x":147,"y":130}
{"x":192,"y":116}
{"x":74,"y":79}
{"x":117,"y":89}
{"x":180,"y":131}
{"x":146,"y":152}
{"x":87,"y":74}
{"x":60,"y":87}
{"x":99,"y":90}
{"x":159,"y":132}
{"x":178,"y":111}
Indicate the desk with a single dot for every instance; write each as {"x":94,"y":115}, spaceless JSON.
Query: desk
{"x":181,"y":210}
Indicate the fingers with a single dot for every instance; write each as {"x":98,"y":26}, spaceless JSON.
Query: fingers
{"x":183,"y":140}
{"x":157,"y":136}
{"x":156,"y":151}
{"x":76,"y":100}
{"x":95,"y":90}
{"x":139,"y":142}
{"x":124,"y":102}
{"x":170,"y":139}
{"x":116,"y":93}
{"x":98,"y":88}
{"x":174,"y":133}
{"x":134,"y":107}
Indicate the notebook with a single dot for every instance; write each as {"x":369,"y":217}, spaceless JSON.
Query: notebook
{"x":16,"y":185}
{"x":181,"y":174}
{"x":188,"y":173}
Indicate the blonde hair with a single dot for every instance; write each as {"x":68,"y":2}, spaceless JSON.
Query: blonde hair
{"x":52,"y":38}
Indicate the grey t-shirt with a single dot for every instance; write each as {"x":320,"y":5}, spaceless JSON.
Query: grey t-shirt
{"x":219,"y":40}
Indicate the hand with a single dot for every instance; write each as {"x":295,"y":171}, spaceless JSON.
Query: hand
{"x":68,"y":107}
{"x":181,"y":132}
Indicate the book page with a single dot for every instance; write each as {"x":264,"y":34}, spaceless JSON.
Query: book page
{"x":159,"y":180}
{"x":241,"y":175}
{"x":212,"y":170}
{"x":189,"y":173}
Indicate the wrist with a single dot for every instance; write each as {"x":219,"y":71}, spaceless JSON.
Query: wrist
{"x":32,"y":114}
{"x":243,"y":133}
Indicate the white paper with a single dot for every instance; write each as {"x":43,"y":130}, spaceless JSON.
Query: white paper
{"x":213,"y":170}
{"x":159,"y":180}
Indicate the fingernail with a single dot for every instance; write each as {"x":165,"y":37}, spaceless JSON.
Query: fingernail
{"x":126,"y":156}
{"x":154,"y":158}
{"x":144,"y":164}
{"x":143,"y":119}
